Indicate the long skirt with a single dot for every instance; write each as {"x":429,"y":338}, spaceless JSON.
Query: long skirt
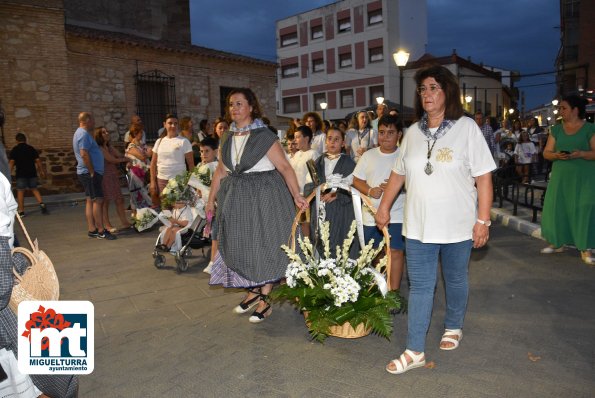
{"x":254,"y":217}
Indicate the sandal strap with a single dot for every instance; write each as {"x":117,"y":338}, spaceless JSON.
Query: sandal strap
{"x":260,"y":315}
{"x":401,"y":363}
{"x":414,"y":357}
{"x":452,"y":332}
{"x":246,"y":304}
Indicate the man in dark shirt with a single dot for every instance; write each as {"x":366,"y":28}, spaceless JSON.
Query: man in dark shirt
{"x":27,"y":162}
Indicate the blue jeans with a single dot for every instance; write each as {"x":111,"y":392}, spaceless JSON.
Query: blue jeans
{"x":422,"y":265}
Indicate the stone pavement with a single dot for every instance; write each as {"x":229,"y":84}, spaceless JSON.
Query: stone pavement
{"x":529,"y":332}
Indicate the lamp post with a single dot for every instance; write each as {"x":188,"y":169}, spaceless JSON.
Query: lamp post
{"x":401,"y":57}
{"x":323,"y":106}
{"x":379,"y":100}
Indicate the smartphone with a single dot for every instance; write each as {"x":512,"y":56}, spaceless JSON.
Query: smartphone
{"x":565,"y":152}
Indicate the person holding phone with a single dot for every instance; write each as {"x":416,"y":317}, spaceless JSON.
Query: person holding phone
{"x":569,"y":207}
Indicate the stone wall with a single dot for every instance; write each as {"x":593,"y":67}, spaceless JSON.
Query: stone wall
{"x":52,"y":73}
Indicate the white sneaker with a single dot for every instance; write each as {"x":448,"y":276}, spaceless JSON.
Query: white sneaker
{"x":551,"y":249}
{"x":208,"y":268}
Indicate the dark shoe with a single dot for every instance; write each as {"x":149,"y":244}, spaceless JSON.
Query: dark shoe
{"x":162,"y":248}
{"x":44,"y":209}
{"x":258,"y":317}
{"x":106,"y":235}
{"x":245,"y":306}
{"x":93,"y":234}
{"x":22,"y":214}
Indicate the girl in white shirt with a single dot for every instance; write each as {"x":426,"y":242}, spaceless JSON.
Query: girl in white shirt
{"x":524,"y":155}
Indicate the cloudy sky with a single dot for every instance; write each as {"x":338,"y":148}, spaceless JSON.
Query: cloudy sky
{"x":520,"y":35}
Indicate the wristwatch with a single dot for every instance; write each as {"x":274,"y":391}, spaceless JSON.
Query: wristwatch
{"x":486,"y":223}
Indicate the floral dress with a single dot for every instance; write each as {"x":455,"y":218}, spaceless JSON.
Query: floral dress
{"x":139,"y":194}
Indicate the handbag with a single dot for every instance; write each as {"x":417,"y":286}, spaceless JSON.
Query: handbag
{"x":39,"y":282}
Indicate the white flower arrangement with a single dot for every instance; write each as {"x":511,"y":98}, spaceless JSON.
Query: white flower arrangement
{"x":335,"y":290}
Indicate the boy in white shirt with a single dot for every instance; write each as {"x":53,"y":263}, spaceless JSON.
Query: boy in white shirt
{"x":370,"y":177}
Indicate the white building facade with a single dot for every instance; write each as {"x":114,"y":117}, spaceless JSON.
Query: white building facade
{"x":342,"y":54}
{"x":482,"y":86}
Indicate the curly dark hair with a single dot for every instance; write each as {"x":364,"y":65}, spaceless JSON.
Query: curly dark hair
{"x":250,"y":97}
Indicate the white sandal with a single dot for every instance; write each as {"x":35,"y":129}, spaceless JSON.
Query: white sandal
{"x":401,"y":364}
{"x":448,"y":337}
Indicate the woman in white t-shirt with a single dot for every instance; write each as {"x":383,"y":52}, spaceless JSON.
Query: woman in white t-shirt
{"x":370,"y":177}
{"x":446,"y":165}
{"x":524,"y":154}
{"x":361,"y":139}
{"x":172,"y":156}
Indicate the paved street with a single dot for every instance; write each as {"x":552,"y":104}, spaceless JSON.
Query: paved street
{"x":529,"y":332}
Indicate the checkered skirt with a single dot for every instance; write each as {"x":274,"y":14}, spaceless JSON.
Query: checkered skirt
{"x":255,"y":212}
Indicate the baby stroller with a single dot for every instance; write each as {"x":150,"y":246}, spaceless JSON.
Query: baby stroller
{"x":188,"y":238}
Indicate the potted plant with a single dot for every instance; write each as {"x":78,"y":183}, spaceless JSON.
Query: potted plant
{"x":338,"y":295}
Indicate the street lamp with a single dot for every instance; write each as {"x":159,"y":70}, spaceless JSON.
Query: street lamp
{"x":401,"y":57}
{"x":323,"y":106}
{"x":468,"y":100}
{"x":379,"y":100}
{"x":554,"y":102}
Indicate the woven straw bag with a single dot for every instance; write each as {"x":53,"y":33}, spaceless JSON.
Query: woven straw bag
{"x":39,"y":282}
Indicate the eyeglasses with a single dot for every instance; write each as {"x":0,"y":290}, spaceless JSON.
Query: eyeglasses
{"x":238,"y":104}
{"x":433,"y":89}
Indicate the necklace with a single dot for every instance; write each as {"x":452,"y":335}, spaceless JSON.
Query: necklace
{"x":429,"y":169}
{"x":239,"y":151}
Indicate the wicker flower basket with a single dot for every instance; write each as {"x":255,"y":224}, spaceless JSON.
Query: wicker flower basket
{"x":346,"y":331}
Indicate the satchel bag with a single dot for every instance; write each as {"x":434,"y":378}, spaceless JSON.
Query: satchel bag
{"x":39,"y":282}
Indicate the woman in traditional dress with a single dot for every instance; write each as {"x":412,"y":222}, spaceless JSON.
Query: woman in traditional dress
{"x":139,"y":155}
{"x":569,"y":208}
{"x":256,"y":191}
{"x":446,"y":165}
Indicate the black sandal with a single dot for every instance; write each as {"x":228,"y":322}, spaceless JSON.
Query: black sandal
{"x":257,"y":316}
{"x":245,"y":306}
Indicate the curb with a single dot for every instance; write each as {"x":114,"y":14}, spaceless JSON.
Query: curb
{"x":516,"y":223}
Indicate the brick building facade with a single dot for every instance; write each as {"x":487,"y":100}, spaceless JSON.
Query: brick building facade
{"x":55,"y":66}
